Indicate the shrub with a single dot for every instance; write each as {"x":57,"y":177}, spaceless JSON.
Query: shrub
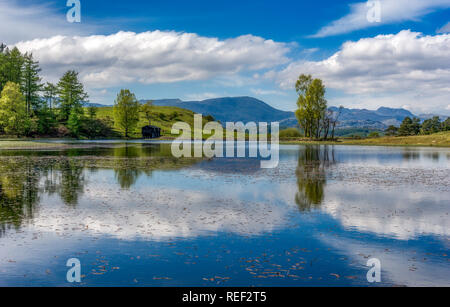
{"x":374,"y":134}
{"x":290,"y":133}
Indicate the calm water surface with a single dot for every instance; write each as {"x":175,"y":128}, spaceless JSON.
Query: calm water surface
{"x":135,"y":216}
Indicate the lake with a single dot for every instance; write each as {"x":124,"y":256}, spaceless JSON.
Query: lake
{"x":135,"y":216}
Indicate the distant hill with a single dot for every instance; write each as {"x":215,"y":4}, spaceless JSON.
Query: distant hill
{"x":247,"y":109}
{"x":97,"y":105}
{"x":228,"y":109}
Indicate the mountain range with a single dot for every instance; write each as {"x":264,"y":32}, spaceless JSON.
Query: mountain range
{"x":247,"y":109}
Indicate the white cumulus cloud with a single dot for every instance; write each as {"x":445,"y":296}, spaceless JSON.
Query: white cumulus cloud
{"x":411,"y":68}
{"x":392,"y":11}
{"x":153,"y":57}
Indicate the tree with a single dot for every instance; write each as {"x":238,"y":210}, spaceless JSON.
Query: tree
{"x":71,"y":94}
{"x":3,"y":63}
{"x":13,"y":111}
{"x":147,"y":109}
{"x":445,"y":126}
{"x":335,"y":120}
{"x":374,"y":134}
{"x":409,"y":127}
{"x":31,"y":83}
{"x":312,"y":105}
{"x":11,"y":65}
{"x":391,"y":131}
{"x":14,"y":65}
{"x":50,"y":92}
{"x":126,"y":112}
{"x":46,"y":120}
{"x":431,"y":126}
{"x":75,"y":121}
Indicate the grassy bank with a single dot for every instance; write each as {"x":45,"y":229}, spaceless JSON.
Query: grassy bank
{"x":441,"y":139}
{"x":435,"y":140}
{"x":27,"y":144}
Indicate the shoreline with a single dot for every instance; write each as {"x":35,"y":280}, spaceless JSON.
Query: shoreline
{"x":440,"y":140}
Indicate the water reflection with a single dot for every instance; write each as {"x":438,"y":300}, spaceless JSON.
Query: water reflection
{"x":26,"y":175}
{"x":354,"y":202}
{"x":313,"y":162}
{"x":18,"y":192}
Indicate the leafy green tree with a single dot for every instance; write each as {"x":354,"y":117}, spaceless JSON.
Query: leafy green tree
{"x":409,"y":127}
{"x":126,"y":112}
{"x":374,"y":134}
{"x":31,"y":83}
{"x":71,"y":95}
{"x":13,"y":111}
{"x":391,"y":131}
{"x":431,"y":126}
{"x":311,"y":103}
{"x":147,"y":110}
{"x":445,"y":126}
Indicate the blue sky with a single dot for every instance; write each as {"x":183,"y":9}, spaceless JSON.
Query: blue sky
{"x":245,"y":48}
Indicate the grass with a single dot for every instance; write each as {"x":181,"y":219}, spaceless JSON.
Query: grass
{"x":441,"y":139}
{"x":26,"y":144}
{"x":163,"y":117}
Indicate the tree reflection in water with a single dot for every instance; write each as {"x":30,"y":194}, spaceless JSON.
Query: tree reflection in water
{"x":313,"y":162}
{"x":25,"y":177}
{"x":18,"y":192}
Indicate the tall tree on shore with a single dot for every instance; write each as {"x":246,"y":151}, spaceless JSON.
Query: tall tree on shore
{"x":3,"y":61}
{"x":31,"y":83}
{"x":14,"y":119}
{"x":71,"y":94}
{"x":14,"y":65}
{"x":126,"y":112}
{"x":312,"y":105}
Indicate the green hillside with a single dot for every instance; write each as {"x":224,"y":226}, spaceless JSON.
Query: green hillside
{"x":163,"y":117}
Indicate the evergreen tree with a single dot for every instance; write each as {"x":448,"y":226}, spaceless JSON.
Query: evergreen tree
{"x":409,"y":127}
{"x":75,"y":121}
{"x":14,"y":66}
{"x":391,"y":131}
{"x":50,"y":95}
{"x":46,"y":120}
{"x":3,"y":75}
{"x":405,"y":127}
{"x":31,"y":83}
{"x":431,"y":126}
{"x":71,"y":95}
